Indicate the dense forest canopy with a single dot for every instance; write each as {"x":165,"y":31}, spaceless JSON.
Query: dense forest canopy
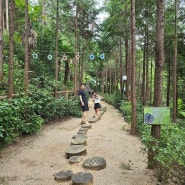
{"x":131,"y":51}
{"x":80,"y":33}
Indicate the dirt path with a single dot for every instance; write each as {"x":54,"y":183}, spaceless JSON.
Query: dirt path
{"x":34,"y":160}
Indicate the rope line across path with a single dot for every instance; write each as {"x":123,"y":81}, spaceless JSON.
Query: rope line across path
{"x":35,"y":159}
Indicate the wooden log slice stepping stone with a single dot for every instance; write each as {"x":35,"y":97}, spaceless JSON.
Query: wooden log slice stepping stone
{"x":92,"y":120}
{"x":78,"y":141}
{"x":103,"y":109}
{"x":63,"y":175}
{"x":95,"y":163}
{"x":75,"y":159}
{"x":87,"y":126}
{"x":75,"y":150}
{"x":82,"y":178}
{"x":80,"y":136}
{"x":82,"y":129}
{"x":82,"y":132}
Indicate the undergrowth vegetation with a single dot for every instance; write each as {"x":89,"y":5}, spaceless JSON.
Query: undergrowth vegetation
{"x":26,"y":114}
{"x":170,"y":147}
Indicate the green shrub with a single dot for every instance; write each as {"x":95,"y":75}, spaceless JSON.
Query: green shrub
{"x":113,"y":99}
{"x":9,"y":123}
{"x":126,"y":110}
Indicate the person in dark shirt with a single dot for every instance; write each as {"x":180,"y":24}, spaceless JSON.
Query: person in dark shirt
{"x":84,"y":104}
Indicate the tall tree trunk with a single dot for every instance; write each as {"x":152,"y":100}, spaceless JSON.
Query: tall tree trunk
{"x":1,"y":40}
{"x":144,"y":75}
{"x":147,"y":66}
{"x":106,"y":76}
{"x":168,"y":82}
{"x":7,"y":17}
{"x":129,"y":73}
{"x":56,"y":48}
{"x":127,"y":64}
{"x":133,"y":59}
{"x":11,"y":49}
{"x":76,"y":50}
{"x":159,"y":63}
{"x":82,"y":66}
{"x":121,"y":68}
{"x":151,"y":80}
{"x":66,"y":73}
{"x":175,"y":67}
{"x":102,"y":81}
{"x":147,"y":54}
{"x":26,"y":65}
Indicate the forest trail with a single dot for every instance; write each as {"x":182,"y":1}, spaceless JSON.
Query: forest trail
{"x":35,"y":159}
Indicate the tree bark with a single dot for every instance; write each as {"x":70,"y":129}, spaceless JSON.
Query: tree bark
{"x":11,"y":50}
{"x":1,"y":40}
{"x":7,"y":17}
{"x":175,"y":67}
{"x":159,"y":63}
{"x":26,"y":48}
{"x":56,"y":48}
{"x":76,"y":50}
{"x":121,"y":69}
{"x":133,"y":51}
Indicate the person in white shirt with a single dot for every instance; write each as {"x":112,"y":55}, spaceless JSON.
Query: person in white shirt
{"x":97,"y":106}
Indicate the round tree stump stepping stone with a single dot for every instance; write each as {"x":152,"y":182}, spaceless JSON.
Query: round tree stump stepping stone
{"x":83,"y":129}
{"x":63,"y":175}
{"x":78,"y":141}
{"x":95,"y":163}
{"x":87,"y":126}
{"x":92,"y":120}
{"x":75,"y":159}
{"x":82,"y":132}
{"x":82,"y":178}
{"x":103,"y":109}
{"x":75,"y":150}
{"x":80,"y":136}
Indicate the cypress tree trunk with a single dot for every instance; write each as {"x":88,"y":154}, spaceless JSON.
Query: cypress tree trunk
{"x":1,"y":40}
{"x":175,"y":67}
{"x":56,"y":48}
{"x":11,"y":49}
{"x":159,"y":63}
{"x":133,"y":83}
{"x":26,"y":62}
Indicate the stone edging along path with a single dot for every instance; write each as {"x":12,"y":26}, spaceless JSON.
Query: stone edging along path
{"x":75,"y":154}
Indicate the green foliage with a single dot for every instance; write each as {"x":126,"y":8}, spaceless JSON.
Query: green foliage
{"x":26,"y":109}
{"x":172,"y":146}
{"x":113,"y":99}
{"x":8,"y":123}
{"x":26,"y":114}
{"x":181,"y":108}
{"x":126,"y":110}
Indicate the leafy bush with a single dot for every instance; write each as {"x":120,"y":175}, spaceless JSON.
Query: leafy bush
{"x":126,"y":110}
{"x":113,"y":99}
{"x":26,"y":111}
{"x":9,"y":123}
{"x":73,"y":107}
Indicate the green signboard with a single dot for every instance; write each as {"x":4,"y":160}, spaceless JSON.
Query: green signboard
{"x":156,"y":115}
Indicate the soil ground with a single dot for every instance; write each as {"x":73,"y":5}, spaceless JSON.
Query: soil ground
{"x":35,"y":159}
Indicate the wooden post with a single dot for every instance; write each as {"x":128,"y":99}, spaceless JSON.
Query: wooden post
{"x":155,"y":133}
{"x":67,"y":94}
